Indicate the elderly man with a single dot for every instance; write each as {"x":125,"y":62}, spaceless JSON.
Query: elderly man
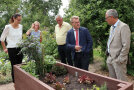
{"x":61,"y":30}
{"x":79,"y":41}
{"x":117,"y":46}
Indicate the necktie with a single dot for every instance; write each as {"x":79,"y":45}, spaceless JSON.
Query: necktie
{"x":77,"y":41}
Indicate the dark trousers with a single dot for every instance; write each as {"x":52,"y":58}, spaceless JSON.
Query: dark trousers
{"x":65,"y":55}
{"x":15,"y":58}
{"x":81,"y":60}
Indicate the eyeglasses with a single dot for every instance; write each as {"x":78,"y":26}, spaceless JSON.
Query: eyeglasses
{"x":107,"y":17}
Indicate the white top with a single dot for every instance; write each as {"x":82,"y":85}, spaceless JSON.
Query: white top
{"x":12,"y":35}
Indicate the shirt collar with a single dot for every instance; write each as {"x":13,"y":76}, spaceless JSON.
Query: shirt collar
{"x":62,"y":24}
{"x":116,"y":23}
{"x":75,"y":29}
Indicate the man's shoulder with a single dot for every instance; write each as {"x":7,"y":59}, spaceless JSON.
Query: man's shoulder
{"x":122,"y":23}
{"x":71,"y":30}
{"x":66,"y":23}
{"x":83,"y":28}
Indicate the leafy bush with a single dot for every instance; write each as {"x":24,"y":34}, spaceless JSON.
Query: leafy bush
{"x":4,"y":55}
{"x":59,"y":70}
{"x":31,"y":68}
{"x":50,"y":45}
{"x":5,"y":67}
{"x":32,"y":49}
{"x":49,"y":61}
{"x":5,"y":71}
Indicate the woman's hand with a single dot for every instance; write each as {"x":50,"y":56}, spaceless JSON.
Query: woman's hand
{"x":5,"y":50}
{"x":32,"y":25}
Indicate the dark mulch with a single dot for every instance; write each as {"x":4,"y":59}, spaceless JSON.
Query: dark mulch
{"x":74,"y":84}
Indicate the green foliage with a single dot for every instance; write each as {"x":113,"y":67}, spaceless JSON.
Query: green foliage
{"x":7,"y":9}
{"x":30,"y":67}
{"x":5,"y":67}
{"x":29,"y":45}
{"x":59,"y":70}
{"x":50,"y":46}
{"x":31,"y":10}
{"x":4,"y":55}
{"x":92,"y":16}
{"x":49,"y":61}
{"x":103,"y":87}
{"x":5,"y":71}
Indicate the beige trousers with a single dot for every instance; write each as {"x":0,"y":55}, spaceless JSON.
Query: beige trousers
{"x":117,"y":70}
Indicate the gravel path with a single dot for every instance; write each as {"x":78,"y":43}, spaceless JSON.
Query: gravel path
{"x":9,"y":86}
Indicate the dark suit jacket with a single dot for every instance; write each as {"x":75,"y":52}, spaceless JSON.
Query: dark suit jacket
{"x":85,"y":40}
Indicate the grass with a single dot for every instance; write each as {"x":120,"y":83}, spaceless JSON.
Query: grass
{"x":5,"y":79}
{"x":97,"y":54}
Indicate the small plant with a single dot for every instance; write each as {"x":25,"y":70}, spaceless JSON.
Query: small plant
{"x":85,"y":79}
{"x":30,"y":68}
{"x":58,"y":86}
{"x":50,"y":78}
{"x":32,"y":49}
{"x":49,"y":61}
{"x":59,"y":70}
{"x":66,"y":80}
{"x":103,"y":87}
{"x":5,"y":67}
{"x":4,"y":55}
{"x":5,"y":71}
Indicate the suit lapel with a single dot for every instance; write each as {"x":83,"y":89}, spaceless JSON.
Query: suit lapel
{"x":80,"y":35}
{"x":73,"y":37}
{"x":115,"y":31}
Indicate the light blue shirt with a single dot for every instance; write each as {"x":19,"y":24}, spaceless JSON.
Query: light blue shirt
{"x":111,"y":33}
{"x":36,"y":35}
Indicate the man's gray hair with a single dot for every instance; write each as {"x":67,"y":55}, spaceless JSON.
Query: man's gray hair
{"x":58,"y":16}
{"x":73,"y":17}
{"x":112,"y":12}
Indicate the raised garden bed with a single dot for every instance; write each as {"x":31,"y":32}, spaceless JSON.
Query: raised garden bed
{"x":25,"y":81}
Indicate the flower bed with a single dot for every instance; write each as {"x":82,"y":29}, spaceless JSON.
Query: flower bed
{"x":24,"y":81}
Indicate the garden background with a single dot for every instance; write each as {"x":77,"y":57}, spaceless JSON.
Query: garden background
{"x":92,"y":16}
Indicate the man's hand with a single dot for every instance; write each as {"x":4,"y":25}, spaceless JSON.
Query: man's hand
{"x":78,"y":48}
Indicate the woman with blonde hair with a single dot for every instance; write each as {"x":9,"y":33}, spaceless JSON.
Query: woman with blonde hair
{"x":34,"y":31}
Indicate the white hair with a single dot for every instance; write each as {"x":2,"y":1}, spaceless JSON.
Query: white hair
{"x":58,"y":16}
{"x":112,"y":12}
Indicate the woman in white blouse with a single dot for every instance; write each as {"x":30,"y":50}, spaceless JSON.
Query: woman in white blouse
{"x":13,"y":35}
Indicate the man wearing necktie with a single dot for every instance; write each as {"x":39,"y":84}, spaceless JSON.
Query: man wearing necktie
{"x":79,"y":41}
{"x":117,"y":46}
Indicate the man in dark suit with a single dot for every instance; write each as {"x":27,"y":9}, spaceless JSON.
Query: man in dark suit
{"x":79,"y":41}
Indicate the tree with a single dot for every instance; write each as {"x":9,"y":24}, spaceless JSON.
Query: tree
{"x":7,"y":9}
{"x":31,"y":10}
{"x":40,"y":10}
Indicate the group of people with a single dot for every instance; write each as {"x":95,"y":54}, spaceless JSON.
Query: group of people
{"x":74,"y":42}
